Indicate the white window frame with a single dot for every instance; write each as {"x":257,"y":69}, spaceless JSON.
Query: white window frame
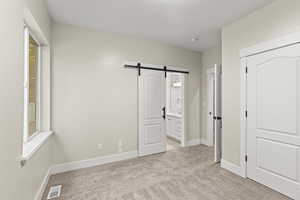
{"x":43,"y":108}
{"x":26,"y":137}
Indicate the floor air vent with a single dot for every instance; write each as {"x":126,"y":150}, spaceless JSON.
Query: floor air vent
{"x":54,"y":192}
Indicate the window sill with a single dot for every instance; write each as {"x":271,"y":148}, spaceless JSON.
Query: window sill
{"x":34,"y":145}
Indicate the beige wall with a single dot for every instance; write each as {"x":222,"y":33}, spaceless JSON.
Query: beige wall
{"x":36,"y":168}
{"x":11,"y":75}
{"x":39,"y":10}
{"x":210,"y":57}
{"x":17,"y":183}
{"x":280,"y":18}
{"x":95,"y":97}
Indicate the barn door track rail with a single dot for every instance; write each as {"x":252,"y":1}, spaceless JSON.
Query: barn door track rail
{"x":165,"y":69}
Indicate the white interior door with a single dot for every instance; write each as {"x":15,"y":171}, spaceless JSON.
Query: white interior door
{"x":273,"y":104}
{"x":210,"y":108}
{"x":152,"y":130}
{"x":218,"y":113}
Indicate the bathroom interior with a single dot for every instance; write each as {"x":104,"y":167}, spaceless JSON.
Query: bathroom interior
{"x":175,"y":110}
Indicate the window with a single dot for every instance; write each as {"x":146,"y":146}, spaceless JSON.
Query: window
{"x":37,"y":88}
{"x":32,"y":86}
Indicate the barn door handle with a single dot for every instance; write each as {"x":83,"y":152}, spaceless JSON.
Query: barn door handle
{"x":164,"y":112}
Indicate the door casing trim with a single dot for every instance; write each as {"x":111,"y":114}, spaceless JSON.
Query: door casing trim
{"x":288,"y":40}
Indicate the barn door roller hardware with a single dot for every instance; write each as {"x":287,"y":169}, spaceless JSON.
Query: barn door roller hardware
{"x":164,"y":69}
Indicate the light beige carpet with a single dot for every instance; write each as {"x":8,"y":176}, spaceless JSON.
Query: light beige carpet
{"x":181,"y":174}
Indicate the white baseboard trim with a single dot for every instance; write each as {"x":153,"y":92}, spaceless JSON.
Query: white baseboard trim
{"x":39,"y":194}
{"x":193,"y":142}
{"x":92,"y":162}
{"x":231,"y":167}
{"x":204,"y":142}
{"x":55,"y":169}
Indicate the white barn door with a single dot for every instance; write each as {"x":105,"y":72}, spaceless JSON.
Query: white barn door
{"x":273,"y":122}
{"x":151,"y":126}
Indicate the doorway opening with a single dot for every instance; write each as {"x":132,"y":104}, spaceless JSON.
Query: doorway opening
{"x":175,"y":110}
{"x":214,"y":114}
{"x":210,"y":83}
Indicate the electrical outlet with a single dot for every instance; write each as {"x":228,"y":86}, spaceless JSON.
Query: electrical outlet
{"x":99,"y":146}
{"x":120,"y":146}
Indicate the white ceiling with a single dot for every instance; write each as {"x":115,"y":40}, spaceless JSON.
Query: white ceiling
{"x":171,"y":21}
